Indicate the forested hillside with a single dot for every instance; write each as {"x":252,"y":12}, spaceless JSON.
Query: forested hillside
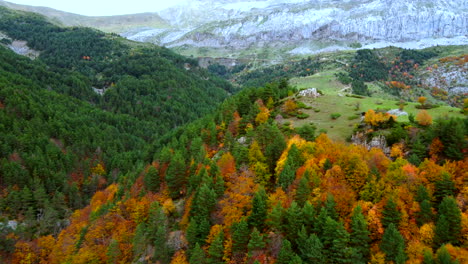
{"x":235,"y":187}
{"x":61,"y":140}
{"x":144,"y":81}
{"x":99,"y":162}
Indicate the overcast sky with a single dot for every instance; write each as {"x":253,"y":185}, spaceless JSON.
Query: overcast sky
{"x":102,"y":7}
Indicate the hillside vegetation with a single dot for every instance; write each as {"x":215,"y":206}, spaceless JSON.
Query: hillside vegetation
{"x":116,"y":152}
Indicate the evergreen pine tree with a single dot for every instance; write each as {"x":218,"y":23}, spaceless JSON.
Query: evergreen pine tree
{"x":393,"y":244}
{"x":275,"y":218}
{"x":286,"y":253}
{"x":275,"y":145}
{"x":139,"y":240}
{"x":448,"y":226}
{"x":198,"y":255}
{"x":359,"y":240}
{"x":335,"y":242}
{"x":319,"y":224}
{"x":310,"y":248}
{"x":286,"y":176}
{"x":330,"y":207}
{"x":309,"y":216}
{"x":427,"y":257}
{"x":256,"y":241}
{"x":293,"y":221}
{"x":152,"y":180}
{"x":391,"y":214}
{"x":303,"y":190}
{"x":296,"y":260}
{"x":216,"y":249}
{"x":425,"y":214}
{"x":444,"y":187}
{"x":422,"y":194}
{"x":158,"y":233}
{"x":443,"y":256}
{"x":175,"y":175}
{"x":219,"y":185}
{"x":259,"y":210}
{"x":240,"y":236}
{"x":192,"y":233}
{"x":113,"y":252}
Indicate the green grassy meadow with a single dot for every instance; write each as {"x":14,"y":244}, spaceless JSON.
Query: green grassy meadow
{"x":350,"y":108}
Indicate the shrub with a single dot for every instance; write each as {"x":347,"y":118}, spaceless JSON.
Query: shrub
{"x":302,"y":115}
{"x":335,"y":116}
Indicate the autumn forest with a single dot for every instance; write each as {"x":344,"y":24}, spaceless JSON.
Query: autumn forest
{"x":176,"y":164}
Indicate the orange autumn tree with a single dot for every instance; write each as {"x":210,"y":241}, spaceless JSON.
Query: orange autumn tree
{"x":423,"y":118}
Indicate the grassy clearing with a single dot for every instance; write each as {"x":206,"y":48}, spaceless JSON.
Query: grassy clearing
{"x":324,"y":81}
{"x":349,"y":107}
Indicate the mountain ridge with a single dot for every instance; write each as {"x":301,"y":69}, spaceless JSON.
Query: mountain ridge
{"x":288,"y":28}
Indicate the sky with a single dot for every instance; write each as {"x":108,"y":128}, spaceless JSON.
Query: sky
{"x":102,"y":7}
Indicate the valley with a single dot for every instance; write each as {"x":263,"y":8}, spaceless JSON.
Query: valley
{"x":226,"y":147}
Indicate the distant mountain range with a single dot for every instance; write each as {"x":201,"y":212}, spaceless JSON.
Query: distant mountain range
{"x":291,"y":27}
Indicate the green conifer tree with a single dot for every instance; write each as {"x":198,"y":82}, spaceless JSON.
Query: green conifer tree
{"x":391,"y":214}
{"x":256,"y":241}
{"x":275,"y":218}
{"x":360,"y":240}
{"x":444,"y":187}
{"x":448,"y":226}
{"x":393,"y":244}
{"x":152,"y":180}
{"x":175,"y":175}
{"x":216,"y":250}
{"x":425,"y":214}
{"x":240,"y":236}
{"x":303,"y":190}
{"x":259,"y":210}
{"x":286,"y":253}
{"x":198,"y":255}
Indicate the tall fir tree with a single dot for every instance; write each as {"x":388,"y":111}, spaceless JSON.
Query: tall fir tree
{"x":286,"y":253}
{"x":425,"y":214}
{"x":175,"y":175}
{"x":309,"y":216}
{"x":444,"y":187}
{"x":256,"y":241}
{"x":151,"y":179}
{"x":198,"y":255}
{"x":393,"y":244}
{"x":259,"y":210}
{"x":391,"y":214}
{"x":293,"y":221}
{"x":240,"y":236}
{"x":359,"y":239}
{"x":303,"y":190}
{"x":448,"y":226}
{"x":310,"y":247}
{"x":216,"y":250}
{"x":158,"y":233}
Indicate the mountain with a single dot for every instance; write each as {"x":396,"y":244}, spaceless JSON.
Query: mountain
{"x":277,"y":29}
{"x":307,"y":26}
{"x":85,"y":104}
{"x":114,"y":24}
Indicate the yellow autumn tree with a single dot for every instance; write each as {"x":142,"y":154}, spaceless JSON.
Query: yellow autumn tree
{"x":289,"y":106}
{"x":397,"y":150}
{"x":263,"y":116}
{"x":423,"y":118}
{"x":179,"y":258}
{"x":377,"y":119}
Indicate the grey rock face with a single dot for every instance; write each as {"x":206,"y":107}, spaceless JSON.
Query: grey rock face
{"x":244,"y":24}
